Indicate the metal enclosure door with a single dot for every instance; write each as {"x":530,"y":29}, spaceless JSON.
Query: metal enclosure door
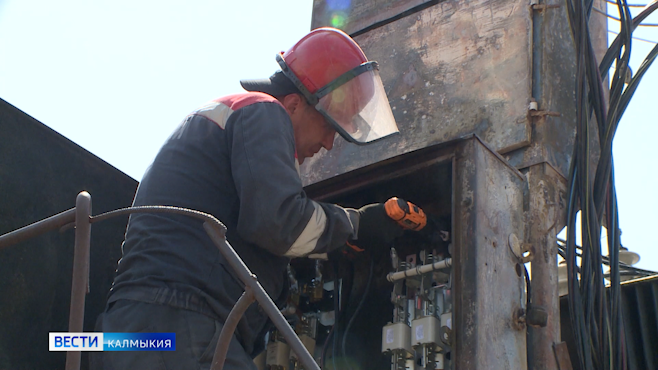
{"x":489,"y":280}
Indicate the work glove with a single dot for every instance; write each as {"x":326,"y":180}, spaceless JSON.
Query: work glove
{"x":376,"y":229}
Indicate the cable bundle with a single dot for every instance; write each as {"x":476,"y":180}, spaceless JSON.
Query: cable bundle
{"x":595,"y":313}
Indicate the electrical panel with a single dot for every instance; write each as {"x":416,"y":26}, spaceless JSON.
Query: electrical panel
{"x":433,"y":298}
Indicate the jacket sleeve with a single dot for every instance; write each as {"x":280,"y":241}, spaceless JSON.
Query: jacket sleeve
{"x":275,"y":213}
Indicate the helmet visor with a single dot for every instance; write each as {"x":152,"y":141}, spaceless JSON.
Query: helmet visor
{"x":359,"y":109}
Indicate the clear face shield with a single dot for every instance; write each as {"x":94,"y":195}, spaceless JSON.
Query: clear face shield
{"x":355,"y":103}
{"x":358,"y":108}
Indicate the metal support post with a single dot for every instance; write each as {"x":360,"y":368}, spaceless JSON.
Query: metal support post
{"x":546,"y":218}
{"x":80,"y":282}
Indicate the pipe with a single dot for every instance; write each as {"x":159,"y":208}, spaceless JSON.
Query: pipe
{"x":544,"y":188}
{"x":419,"y":270}
{"x":217,"y":235}
{"x":37,"y":228}
{"x":80,"y":272}
{"x":246,"y":299}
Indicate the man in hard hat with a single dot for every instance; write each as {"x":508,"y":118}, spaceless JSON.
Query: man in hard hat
{"x":238,"y":159}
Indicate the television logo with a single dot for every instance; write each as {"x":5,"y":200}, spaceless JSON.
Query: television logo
{"x":111,"y":341}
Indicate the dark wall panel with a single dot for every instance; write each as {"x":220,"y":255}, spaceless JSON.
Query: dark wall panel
{"x":41,"y":172}
{"x":639,"y":305}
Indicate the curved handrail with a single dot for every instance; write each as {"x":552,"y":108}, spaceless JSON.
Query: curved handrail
{"x":217,"y":233}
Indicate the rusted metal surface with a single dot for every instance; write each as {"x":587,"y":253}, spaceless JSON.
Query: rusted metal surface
{"x":554,"y":70}
{"x":417,"y":161}
{"x":547,"y":192}
{"x":357,"y":15}
{"x":80,"y":283}
{"x":489,"y":290}
{"x":41,"y":174}
{"x":449,"y":70}
{"x":562,"y":356}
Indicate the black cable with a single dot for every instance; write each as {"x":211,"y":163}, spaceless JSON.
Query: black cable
{"x":618,"y":19}
{"x":615,"y":46}
{"x":527,"y":288}
{"x":629,"y":5}
{"x":326,"y":346}
{"x":595,"y":321}
{"x":336,"y":314}
{"x":635,"y":81}
{"x":356,"y":312}
{"x":636,"y":38}
{"x":605,"y":260}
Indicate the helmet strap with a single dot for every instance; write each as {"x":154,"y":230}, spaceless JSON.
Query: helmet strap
{"x":310,"y":98}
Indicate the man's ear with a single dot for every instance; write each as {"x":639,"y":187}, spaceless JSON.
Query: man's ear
{"x":291,"y":102}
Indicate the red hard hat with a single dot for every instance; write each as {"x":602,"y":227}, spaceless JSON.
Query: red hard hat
{"x":322,"y":56}
{"x":335,"y":76}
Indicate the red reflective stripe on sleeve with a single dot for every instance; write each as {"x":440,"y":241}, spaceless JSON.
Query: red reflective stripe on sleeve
{"x":238,"y":101}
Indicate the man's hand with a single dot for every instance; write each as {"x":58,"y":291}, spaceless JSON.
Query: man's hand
{"x":376,"y":228}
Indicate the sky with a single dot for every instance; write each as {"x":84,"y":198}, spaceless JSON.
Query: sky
{"x":116,"y":77}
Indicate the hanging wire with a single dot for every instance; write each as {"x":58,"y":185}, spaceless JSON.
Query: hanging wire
{"x":615,"y":46}
{"x":618,"y":19}
{"x":629,"y":5}
{"x":342,"y":299}
{"x":632,"y":270}
{"x":595,"y":312}
{"x":356,"y":312}
{"x":636,"y":38}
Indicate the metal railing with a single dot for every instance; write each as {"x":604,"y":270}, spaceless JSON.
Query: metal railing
{"x":81,"y":218}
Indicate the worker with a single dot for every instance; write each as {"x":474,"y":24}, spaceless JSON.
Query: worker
{"x":237,"y":158}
